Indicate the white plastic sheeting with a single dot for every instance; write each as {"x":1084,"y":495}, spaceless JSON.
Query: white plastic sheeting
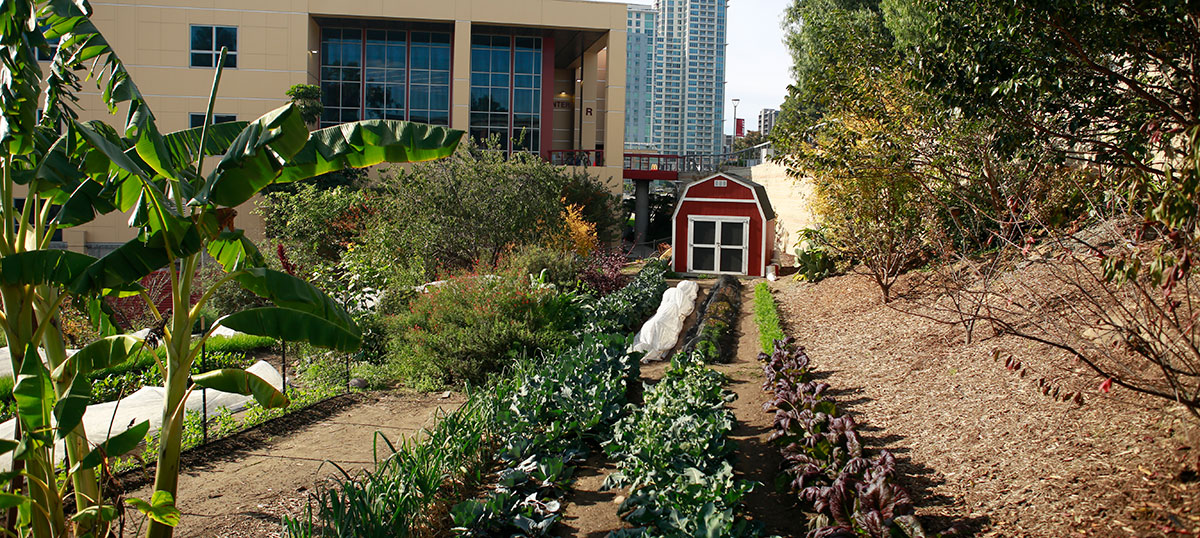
{"x":115,"y":417}
{"x":659,"y":335}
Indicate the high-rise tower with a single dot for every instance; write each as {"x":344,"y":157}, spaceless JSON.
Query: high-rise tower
{"x":689,"y":76}
{"x":686,"y":97}
{"x":639,"y":78}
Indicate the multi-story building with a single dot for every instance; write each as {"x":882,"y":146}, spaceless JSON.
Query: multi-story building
{"x":766,"y":120}
{"x":639,"y":78}
{"x":542,"y":75}
{"x":689,"y":76}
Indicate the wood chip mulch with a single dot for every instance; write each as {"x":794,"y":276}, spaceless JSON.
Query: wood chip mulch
{"x":982,"y":450}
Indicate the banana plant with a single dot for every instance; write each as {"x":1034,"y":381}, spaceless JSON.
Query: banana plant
{"x":180,"y":213}
{"x":33,"y":285}
{"x":41,"y":163}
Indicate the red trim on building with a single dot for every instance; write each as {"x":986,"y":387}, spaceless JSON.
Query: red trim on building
{"x":546,"y":124}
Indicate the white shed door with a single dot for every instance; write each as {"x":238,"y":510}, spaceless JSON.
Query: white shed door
{"x":718,"y":244}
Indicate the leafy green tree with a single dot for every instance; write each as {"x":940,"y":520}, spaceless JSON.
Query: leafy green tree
{"x":307,"y":97}
{"x":475,"y":206}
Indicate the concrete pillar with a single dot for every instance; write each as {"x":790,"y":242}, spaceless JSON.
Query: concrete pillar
{"x":641,"y":209}
{"x":614,"y":114}
{"x":590,"y":75}
{"x":460,"y":73}
{"x":76,"y":239}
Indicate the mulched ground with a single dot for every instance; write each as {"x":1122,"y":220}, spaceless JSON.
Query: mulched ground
{"x":982,"y":449}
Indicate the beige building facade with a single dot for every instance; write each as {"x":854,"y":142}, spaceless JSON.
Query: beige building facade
{"x":546,"y":76}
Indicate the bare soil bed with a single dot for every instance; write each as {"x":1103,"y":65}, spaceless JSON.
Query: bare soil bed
{"x":243,"y":485}
{"x":981,"y":448}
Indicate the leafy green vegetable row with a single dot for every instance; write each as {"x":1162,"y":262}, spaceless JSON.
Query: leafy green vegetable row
{"x":533,"y":423}
{"x":849,"y":493}
{"x":674,"y":455}
{"x":713,"y":334}
{"x":674,"y":452}
{"x":544,"y":413}
{"x":766,"y":315}
{"x":623,"y":310}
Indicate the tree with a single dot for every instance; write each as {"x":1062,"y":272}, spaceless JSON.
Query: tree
{"x":1110,"y":89}
{"x":180,"y":212}
{"x":475,"y":206}
{"x":307,"y":97}
{"x":850,"y":124}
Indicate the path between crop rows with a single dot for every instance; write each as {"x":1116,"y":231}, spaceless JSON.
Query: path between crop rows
{"x":592,"y":513}
{"x":242,"y":486}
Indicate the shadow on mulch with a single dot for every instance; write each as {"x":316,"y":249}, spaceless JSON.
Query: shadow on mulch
{"x":919,"y":480}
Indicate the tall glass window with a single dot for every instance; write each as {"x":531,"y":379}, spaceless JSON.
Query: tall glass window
{"x":385,"y":77}
{"x":430,"y":87}
{"x":506,"y":82}
{"x":385,"y":74}
{"x":341,"y":75}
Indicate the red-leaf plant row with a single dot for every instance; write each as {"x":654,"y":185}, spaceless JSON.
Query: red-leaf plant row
{"x":850,"y":495}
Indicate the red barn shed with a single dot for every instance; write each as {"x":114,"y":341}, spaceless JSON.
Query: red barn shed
{"x":723,"y":224}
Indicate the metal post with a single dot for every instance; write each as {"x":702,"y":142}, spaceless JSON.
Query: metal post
{"x":641,"y":219}
{"x":204,"y":391}
{"x":283,"y":363}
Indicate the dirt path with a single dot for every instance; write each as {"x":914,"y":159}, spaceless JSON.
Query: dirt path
{"x":242,"y":486}
{"x":756,"y":459}
{"x":979,"y":447}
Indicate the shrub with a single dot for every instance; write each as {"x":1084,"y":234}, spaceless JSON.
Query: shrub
{"x":549,"y":265}
{"x":814,"y":260}
{"x":601,"y":273}
{"x":475,"y":325}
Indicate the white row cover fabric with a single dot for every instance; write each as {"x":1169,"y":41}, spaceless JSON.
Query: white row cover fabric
{"x":660,"y":334}
{"x":114,"y":417}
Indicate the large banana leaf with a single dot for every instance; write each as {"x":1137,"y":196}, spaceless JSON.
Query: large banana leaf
{"x":32,"y":391}
{"x":293,"y":293}
{"x":368,"y":143}
{"x":293,"y":326}
{"x":244,"y":172}
{"x":235,"y":252}
{"x":255,"y":158}
{"x":239,"y":381}
{"x":20,"y":77}
{"x":38,"y":267}
{"x":68,"y":411}
{"x":80,"y":42}
{"x":182,"y":146}
{"x":132,"y":261}
{"x":116,"y":445}
{"x":102,"y":353}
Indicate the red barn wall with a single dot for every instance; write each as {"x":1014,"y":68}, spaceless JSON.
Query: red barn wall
{"x":733,"y":190}
{"x":754,"y":254}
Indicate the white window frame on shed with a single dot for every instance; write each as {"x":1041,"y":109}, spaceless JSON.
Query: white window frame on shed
{"x":718,"y":219}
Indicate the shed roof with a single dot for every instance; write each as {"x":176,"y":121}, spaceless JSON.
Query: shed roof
{"x":760,"y":192}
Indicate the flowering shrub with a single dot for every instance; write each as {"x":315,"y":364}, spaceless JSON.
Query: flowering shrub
{"x":474,"y":325}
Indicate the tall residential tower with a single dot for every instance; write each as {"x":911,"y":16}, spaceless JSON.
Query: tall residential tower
{"x":689,"y":76}
{"x":639,"y":78}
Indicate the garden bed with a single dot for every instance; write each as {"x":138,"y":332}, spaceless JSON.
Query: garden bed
{"x":980,"y":448}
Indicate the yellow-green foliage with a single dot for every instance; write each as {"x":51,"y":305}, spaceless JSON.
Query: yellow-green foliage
{"x":766,"y":315}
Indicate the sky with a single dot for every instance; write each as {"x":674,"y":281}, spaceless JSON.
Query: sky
{"x":757,"y":65}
